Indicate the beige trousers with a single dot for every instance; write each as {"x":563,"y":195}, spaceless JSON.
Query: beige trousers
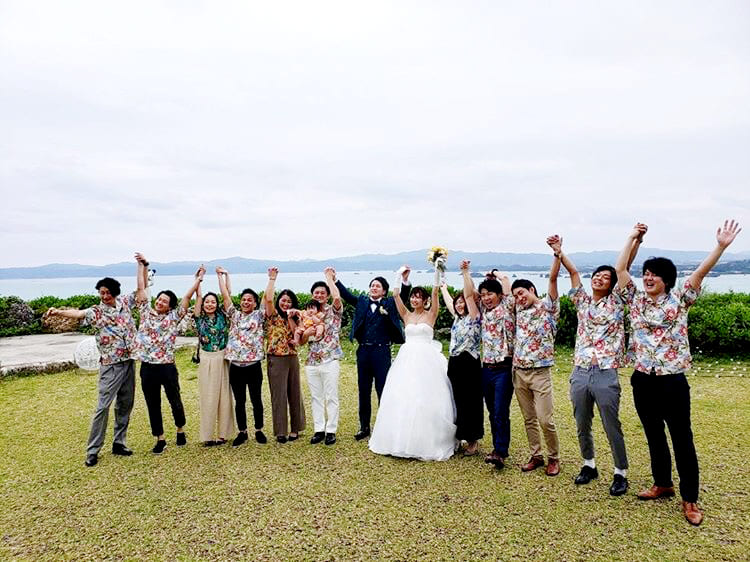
{"x":533,"y":389}
{"x":216,"y":402}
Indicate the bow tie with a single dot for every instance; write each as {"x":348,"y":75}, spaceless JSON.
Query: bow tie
{"x":374,"y":302}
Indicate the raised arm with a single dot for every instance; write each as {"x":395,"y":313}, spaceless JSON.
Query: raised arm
{"x":447,"y":298}
{"x":198,"y":308}
{"x":623,"y":262}
{"x":636,"y":245}
{"x":344,"y":293}
{"x":226,"y":292}
{"x":554,"y":271}
{"x":398,"y":299}
{"x":268,"y":293}
{"x":435,"y":306}
{"x":725,"y":235}
{"x":405,"y":286}
{"x":195,"y":288}
{"x":555,"y":242}
{"x":140,"y":278}
{"x":330,"y":275}
{"x":470,"y":292}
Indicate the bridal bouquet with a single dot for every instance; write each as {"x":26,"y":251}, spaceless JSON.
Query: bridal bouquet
{"x":437,"y":256}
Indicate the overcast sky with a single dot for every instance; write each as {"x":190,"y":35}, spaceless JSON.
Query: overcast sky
{"x":197,"y":130}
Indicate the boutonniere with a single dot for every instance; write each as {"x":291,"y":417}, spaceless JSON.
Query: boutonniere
{"x":382,"y":310}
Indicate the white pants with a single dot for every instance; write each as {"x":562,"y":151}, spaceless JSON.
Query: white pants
{"x":323,"y":382}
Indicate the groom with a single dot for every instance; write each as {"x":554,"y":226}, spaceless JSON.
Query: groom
{"x":376,"y":325}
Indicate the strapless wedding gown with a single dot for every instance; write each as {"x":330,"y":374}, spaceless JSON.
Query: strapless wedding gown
{"x":416,"y":417}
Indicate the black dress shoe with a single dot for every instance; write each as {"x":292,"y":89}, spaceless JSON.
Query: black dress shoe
{"x":330,"y":438}
{"x":91,"y":460}
{"x":362,"y":433}
{"x":619,"y":485}
{"x":120,"y":449}
{"x":240,"y":439}
{"x":317,"y":437}
{"x":586,"y":475}
{"x":281,"y":438}
{"x":260,"y":437}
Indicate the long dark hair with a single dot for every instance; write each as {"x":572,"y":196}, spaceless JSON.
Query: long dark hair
{"x":219,"y":309}
{"x":290,"y":293}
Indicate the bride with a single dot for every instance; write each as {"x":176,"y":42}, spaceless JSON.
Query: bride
{"x":417,"y":414}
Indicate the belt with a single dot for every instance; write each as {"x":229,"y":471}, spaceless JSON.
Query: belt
{"x":507,"y":362}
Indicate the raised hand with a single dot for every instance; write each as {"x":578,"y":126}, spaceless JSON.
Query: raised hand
{"x":639,"y":231}
{"x":329,"y":272}
{"x":464,"y":265}
{"x":273,"y":272}
{"x":555,"y":242}
{"x":405,"y":270}
{"x":221,"y":271}
{"x":200,"y":273}
{"x":726,"y":234}
{"x":140,"y":258}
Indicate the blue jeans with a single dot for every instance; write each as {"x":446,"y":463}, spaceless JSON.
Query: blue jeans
{"x":497,"y":388}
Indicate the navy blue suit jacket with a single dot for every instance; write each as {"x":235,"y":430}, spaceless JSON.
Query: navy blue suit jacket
{"x":361,"y":305}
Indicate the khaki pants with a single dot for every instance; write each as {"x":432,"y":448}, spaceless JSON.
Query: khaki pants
{"x":533,"y":389}
{"x":215,"y":397}
{"x":286,"y":394}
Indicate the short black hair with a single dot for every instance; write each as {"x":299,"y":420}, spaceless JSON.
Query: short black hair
{"x":252,"y":294}
{"x":664,"y":268}
{"x":382,"y":281}
{"x":172,"y":298}
{"x":320,"y":284}
{"x":523,"y":284}
{"x":291,"y":295}
{"x":612,"y":273}
{"x":112,"y":285}
{"x":491,"y":286}
{"x":312,"y":303}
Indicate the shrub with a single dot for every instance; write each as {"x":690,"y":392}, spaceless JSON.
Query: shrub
{"x":16,"y":317}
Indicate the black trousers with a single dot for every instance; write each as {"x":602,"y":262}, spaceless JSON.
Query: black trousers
{"x":373,"y":363}
{"x":250,"y":376}
{"x":465,"y":374}
{"x":666,"y":399}
{"x":153,"y":377}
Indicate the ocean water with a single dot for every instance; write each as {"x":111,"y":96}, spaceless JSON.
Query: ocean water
{"x":28,"y":289}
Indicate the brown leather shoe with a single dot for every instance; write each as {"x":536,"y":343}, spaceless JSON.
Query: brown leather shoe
{"x":534,"y":462}
{"x":471,"y":449}
{"x":692,"y":513}
{"x":496,"y":459}
{"x":655,"y":492}
{"x":553,"y":467}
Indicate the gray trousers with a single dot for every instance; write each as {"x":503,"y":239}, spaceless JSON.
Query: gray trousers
{"x":115,"y":382}
{"x":601,"y":387}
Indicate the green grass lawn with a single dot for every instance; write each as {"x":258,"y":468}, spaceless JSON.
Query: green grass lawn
{"x":297,"y":501}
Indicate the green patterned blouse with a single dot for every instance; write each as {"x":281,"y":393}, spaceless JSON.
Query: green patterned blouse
{"x":212,"y":332}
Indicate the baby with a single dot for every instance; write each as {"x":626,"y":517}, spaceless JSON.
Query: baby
{"x":311,"y":323}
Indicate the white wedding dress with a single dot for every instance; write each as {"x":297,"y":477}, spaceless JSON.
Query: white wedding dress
{"x":416,"y":417}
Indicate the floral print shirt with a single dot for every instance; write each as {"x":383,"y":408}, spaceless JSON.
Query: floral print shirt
{"x":115,"y":336}
{"x":498,"y":328}
{"x":328,"y":347}
{"x":157,"y":334}
{"x":212,"y":332}
{"x":279,"y":336}
{"x":466,"y":334}
{"x":245,"y":343}
{"x":659,"y":330}
{"x":601,"y":329}
{"x":536,"y":327}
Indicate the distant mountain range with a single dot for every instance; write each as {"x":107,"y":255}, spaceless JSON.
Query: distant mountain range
{"x":585,"y":261}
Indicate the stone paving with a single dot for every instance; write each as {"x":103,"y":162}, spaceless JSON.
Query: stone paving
{"x":43,"y":352}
